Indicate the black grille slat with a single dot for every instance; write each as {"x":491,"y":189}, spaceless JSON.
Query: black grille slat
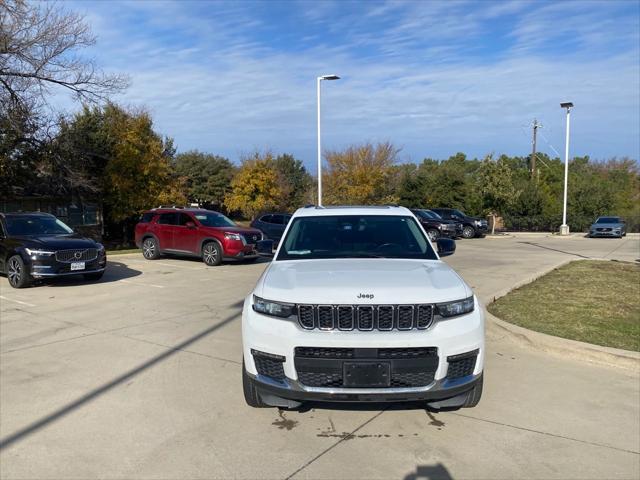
{"x":320,"y":379}
{"x":305,"y":316}
{"x":424,"y":316}
{"x":405,"y":317}
{"x":77,"y":255}
{"x":325,"y":317}
{"x":345,"y":317}
{"x":412,"y":379}
{"x":462,"y":367}
{"x":324,"y":352}
{"x":385,"y":317}
{"x":269,"y":367}
{"x":407,"y":352}
{"x":365,"y":317}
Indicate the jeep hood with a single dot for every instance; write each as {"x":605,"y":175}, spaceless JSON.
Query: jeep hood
{"x":354,"y":281}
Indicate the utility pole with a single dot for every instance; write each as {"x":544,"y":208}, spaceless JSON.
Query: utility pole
{"x":533,"y":154}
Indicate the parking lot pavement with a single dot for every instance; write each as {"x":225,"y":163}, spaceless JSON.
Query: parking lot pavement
{"x":138,"y":376}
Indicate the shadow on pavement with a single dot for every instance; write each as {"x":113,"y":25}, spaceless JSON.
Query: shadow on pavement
{"x":97,"y":392}
{"x":115,"y":271}
{"x":430,"y":472}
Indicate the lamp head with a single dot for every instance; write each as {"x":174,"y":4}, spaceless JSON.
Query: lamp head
{"x":329,"y":77}
{"x":566,"y":104}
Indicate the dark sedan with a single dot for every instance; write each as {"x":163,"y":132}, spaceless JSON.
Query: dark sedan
{"x":608,"y":227}
{"x":37,"y":245}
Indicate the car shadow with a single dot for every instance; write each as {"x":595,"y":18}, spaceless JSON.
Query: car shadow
{"x":114,"y":272}
{"x":369,"y":406}
{"x":430,"y":472}
{"x":198,"y":260}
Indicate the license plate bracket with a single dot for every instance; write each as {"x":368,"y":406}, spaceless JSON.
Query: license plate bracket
{"x":366,"y":374}
{"x":77,"y":266}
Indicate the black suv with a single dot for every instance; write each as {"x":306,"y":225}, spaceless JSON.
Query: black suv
{"x":436,"y":226}
{"x":471,"y":226}
{"x":272,"y":225}
{"x":37,"y":246}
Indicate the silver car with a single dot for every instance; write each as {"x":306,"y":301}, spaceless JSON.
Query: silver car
{"x":608,"y":227}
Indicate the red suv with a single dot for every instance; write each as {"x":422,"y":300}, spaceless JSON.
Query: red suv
{"x":195,"y":232}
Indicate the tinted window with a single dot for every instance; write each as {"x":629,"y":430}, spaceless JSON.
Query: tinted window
{"x":278,"y":220}
{"x":433,"y":215}
{"x":35,"y":225}
{"x":355,"y":236}
{"x":458,"y":213}
{"x":266,"y":218}
{"x":1,"y":230}
{"x":212,"y":219}
{"x":146,"y":217}
{"x":608,"y":220}
{"x":167,"y":219}
{"x":184,"y":219}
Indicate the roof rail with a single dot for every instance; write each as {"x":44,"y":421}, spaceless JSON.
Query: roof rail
{"x":311,"y":205}
{"x":170,"y":206}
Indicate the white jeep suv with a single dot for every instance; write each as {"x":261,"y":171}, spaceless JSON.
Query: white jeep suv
{"x":358,"y":307}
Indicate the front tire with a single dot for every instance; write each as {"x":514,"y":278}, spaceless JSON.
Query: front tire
{"x":150,"y":249}
{"x":212,"y":254}
{"x":251,"y":395}
{"x":17,"y":273}
{"x":474,"y":395}
{"x":468,"y":231}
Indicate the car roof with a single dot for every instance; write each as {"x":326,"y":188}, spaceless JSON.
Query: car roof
{"x":314,"y":211}
{"x":175,"y":210}
{"x":26,"y":214}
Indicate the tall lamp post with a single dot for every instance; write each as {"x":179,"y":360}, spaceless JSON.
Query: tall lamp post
{"x":324,"y":77}
{"x":564,"y":228}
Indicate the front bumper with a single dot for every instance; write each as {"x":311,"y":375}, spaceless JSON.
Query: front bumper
{"x":48,"y":267}
{"x":279,"y":337}
{"x":612,"y":233}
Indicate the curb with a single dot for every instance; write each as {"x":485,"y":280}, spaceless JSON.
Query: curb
{"x":613,"y":357}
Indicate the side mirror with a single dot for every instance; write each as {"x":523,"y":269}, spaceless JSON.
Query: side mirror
{"x":190,"y":225}
{"x":446,"y":246}
{"x":265,"y":248}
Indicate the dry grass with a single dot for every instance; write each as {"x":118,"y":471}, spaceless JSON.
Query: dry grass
{"x":588,"y":300}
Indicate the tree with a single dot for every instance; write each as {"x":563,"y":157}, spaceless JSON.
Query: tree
{"x":495,"y":183}
{"x":207,"y":177}
{"x":295,"y":181}
{"x":256,"y":187}
{"x":360,"y":175}
{"x":39,"y":46}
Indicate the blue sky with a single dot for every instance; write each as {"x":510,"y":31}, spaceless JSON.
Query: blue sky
{"x":432,"y":77}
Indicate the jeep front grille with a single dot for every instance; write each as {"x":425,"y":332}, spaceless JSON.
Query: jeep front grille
{"x":365,"y":317}
{"x":81,"y":255}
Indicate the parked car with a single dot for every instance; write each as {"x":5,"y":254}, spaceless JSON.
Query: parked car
{"x":471,"y":226}
{"x":358,"y":307}
{"x":195,"y":232}
{"x":272,"y":225}
{"x":35,"y":246}
{"x":608,"y":227}
{"x":436,"y":226}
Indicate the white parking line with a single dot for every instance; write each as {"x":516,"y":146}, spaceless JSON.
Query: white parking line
{"x":17,"y":301}
{"x":142,"y":284}
{"x":173,"y":265}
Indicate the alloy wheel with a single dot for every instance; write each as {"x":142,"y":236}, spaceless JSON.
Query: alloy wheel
{"x":15,"y":271}
{"x":148,"y":248}
{"x":433,"y":235}
{"x":468,"y":232}
{"x":210,"y":254}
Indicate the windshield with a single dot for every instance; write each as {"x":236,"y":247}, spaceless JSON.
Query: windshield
{"x":355,"y":236}
{"x":429,"y":214}
{"x":458,"y":213}
{"x":211,"y":219}
{"x":608,"y":220}
{"x":26,"y":226}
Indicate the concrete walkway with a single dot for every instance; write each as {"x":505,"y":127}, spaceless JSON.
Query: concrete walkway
{"x":139,"y":377}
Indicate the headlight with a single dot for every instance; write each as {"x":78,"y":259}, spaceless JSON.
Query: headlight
{"x":451,"y":309}
{"x":232,"y":236}
{"x":275,"y":309}
{"x":39,"y":253}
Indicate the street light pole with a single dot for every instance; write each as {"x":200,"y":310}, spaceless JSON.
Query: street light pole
{"x":324,"y":77}
{"x":564,"y":228}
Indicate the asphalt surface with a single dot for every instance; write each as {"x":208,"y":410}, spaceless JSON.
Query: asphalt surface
{"x":139,"y":376}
